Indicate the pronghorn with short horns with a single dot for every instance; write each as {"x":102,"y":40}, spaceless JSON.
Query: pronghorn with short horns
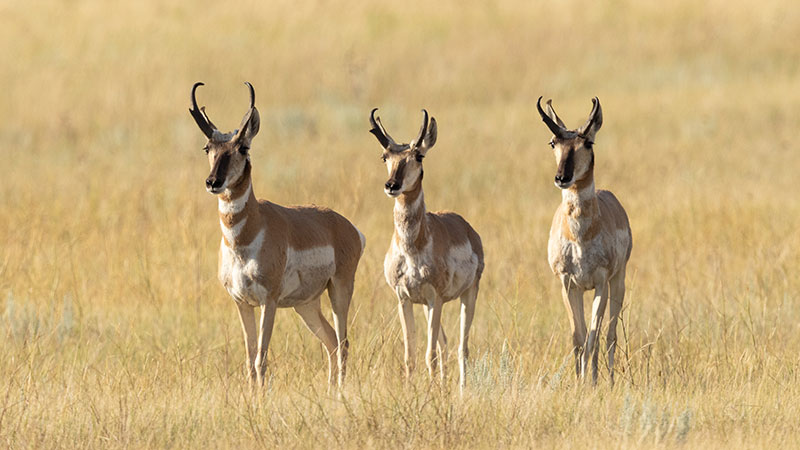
{"x":272,"y":256}
{"x":590,"y":238}
{"x":433,"y":257}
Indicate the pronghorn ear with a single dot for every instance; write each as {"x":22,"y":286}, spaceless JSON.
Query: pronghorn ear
{"x":250,"y":126}
{"x":594,"y":122}
{"x":429,"y":139}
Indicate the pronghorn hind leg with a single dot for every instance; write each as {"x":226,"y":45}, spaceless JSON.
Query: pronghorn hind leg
{"x":616,"y":295}
{"x":598,"y":310}
{"x":340,"y":291}
{"x":312,"y":316}
{"x":573,"y":300}
{"x":468,"y":300}
{"x":265,"y":334}
{"x":248,"y":321}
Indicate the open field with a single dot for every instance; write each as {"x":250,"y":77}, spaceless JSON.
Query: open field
{"x":116,"y":332}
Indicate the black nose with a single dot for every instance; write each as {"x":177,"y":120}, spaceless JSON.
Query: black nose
{"x":392,"y":185}
{"x":213,"y":183}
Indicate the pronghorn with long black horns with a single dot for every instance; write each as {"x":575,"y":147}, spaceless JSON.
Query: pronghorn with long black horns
{"x":590,"y":238}
{"x":433,"y":257}
{"x":272,"y":256}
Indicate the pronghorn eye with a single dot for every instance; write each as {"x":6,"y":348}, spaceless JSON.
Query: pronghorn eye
{"x":588,"y":144}
{"x":552,"y":144}
{"x":243,"y":150}
{"x":206,"y":149}
{"x":418,"y":157}
{"x":383,"y":158}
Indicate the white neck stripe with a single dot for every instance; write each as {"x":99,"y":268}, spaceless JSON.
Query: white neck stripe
{"x":235,"y":205}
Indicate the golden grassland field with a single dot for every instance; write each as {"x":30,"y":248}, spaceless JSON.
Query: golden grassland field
{"x":116,"y":332}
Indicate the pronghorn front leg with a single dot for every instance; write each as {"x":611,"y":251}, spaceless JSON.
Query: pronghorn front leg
{"x":267,"y":322}
{"x":573,"y":300}
{"x":248,"y":320}
{"x":441,"y":343}
{"x":434,"y":316}
{"x":407,"y":324}
{"x":598,"y":310}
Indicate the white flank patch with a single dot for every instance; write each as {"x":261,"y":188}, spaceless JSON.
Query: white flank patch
{"x":314,"y":266}
{"x":231,"y":233}
{"x":235,"y":205}
{"x":463,"y":263}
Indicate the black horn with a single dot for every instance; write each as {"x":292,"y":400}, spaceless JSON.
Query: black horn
{"x":558,"y":131}
{"x":252,"y":94}
{"x":422,"y":130}
{"x":377,"y":129}
{"x":199,"y":114}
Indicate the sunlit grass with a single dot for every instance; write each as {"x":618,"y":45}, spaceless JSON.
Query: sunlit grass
{"x":118,"y":334}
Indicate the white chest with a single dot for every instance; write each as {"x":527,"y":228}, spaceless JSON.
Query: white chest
{"x":585,"y":264}
{"x":407,"y":270}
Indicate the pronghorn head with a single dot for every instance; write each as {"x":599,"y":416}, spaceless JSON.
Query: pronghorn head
{"x":227,"y":152}
{"x":403,"y":161}
{"x":573,"y":148}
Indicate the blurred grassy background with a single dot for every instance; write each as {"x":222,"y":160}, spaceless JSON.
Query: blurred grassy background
{"x":118,"y":334}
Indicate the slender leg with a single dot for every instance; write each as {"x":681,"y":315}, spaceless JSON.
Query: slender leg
{"x":267,"y":322}
{"x":616,"y":295}
{"x":248,"y":320}
{"x":573,"y":300}
{"x":312,"y":316}
{"x":598,"y":310}
{"x":340,"y":293}
{"x":407,"y":324}
{"x":434,"y":325}
{"x":468,"y":300}
{"x":441,"y":343}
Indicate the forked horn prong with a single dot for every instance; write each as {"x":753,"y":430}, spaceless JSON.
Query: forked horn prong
{"x":557,"y":130}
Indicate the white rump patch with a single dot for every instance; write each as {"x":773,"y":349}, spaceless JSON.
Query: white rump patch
{"x":363,"y":240}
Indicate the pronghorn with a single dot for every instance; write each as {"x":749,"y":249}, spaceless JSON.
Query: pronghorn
{"x":433,"y":257}
{"x":590,"y":238}
{"x":277,"y":257}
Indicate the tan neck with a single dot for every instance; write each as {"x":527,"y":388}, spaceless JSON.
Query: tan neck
{"x":410,"y":228}
{"x":239,"y":217}
{"x":581,"y":207}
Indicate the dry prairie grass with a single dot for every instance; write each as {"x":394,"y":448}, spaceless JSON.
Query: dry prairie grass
{"x":117,"y":333}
